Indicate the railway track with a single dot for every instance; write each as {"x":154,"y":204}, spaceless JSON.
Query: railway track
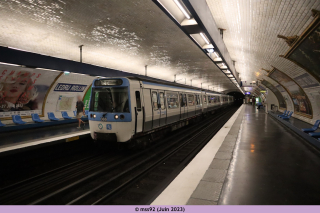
{"x":119,"y":178}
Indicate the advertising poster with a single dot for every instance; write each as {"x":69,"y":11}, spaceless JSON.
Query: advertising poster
{"x":86,"y":99}
{"x":280,"y":88}
{"x":306,"y":81}
{"x":282,"y":102}
{"x":23,"y":90}
{"x":300,"y":100}
{"x":307,"y":54}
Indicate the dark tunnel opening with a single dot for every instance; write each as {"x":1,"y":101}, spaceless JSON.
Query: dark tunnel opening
{"x":238,"y":97}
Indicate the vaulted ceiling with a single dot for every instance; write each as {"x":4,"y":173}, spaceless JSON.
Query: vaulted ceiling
{"x":251,"y":29}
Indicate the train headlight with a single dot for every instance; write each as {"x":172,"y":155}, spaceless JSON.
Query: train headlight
{"x":116,"y":117}
{"x":94,"y":116}
{"x":121,"y":117}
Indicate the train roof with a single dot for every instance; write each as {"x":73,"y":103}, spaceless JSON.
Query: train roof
{"x":169,"y":83}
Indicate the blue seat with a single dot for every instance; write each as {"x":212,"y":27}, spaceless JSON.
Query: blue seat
{"x":285,"y":113}
{"x":36,"y":118}
{"x":52,"y":117}
{"x":1,"y":124}
{"x":314,"y":128}
{"x":315,"y":134}
{"x":287,"y":117}
{"x":17,"y":119}
{"x":65,"y":115}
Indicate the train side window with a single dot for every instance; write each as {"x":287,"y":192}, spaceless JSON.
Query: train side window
{"x":154,"y":101}
{"x":190,"y":100}
{"x":172,"y":100}
{"x":198,"y":99}
{"x":204,"y":99}
{"x":138,"y":101}
{"x":181,"y":100}
{"x":162,"y":103}
{"x":185,"y":100}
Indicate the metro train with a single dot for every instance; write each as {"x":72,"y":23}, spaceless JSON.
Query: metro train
{"x":134,"y":110}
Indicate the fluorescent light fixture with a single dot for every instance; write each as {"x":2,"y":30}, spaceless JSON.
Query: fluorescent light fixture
{"x":216,"y":55}
{"x":210,"y":50}
{"x":204,"y":38}
{"x":66,"y":72}
{"x":167,"y":10}
{"x":9,"y":64}
{"x":223,"y":64}
{"x":182,"y":9}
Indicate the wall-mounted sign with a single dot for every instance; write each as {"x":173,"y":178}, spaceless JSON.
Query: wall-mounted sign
{"x":61,"y":87}
{"x":64,"y":103}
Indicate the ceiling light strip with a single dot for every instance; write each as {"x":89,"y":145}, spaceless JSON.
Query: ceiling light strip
{"x":204,"y":38}
{"x":182,"y":9}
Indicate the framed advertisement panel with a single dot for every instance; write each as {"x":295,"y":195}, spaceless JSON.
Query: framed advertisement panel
{"x":305,"y":50}
{"x":282,"y":102}
{"x":23,"y":91}
{"x":301,"y":102}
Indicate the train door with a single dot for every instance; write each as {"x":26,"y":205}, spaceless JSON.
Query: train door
{"x":198,"y":104}
{"x":155,"y":109}
{"x":191,"y":105}
{"x":183,"y":108}
{"x":162,"y":107}
{"x":138,"y":111}
{"x":204,"y":103}
{"x":147,"y":110}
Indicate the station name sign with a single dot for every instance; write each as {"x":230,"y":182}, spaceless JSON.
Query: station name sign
{"x":69,"y":87}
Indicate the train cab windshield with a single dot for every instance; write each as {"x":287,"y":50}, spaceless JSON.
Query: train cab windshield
{"x":110,"y":99}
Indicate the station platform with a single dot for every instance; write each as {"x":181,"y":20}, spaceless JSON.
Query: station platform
{"x":252,"y":160}
{"x":27,"y":138}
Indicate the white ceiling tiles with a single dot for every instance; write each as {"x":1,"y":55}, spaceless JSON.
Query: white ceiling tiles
{"x":120,"y":34}
{"x":251,"y":32}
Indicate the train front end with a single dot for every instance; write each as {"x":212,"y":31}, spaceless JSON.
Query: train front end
{"x":109,"y":115}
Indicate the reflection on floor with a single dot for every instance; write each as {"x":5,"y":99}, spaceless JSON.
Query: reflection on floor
{"x":270,"y":165}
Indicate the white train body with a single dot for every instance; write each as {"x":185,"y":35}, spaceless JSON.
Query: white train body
{"x":125,"y":108}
